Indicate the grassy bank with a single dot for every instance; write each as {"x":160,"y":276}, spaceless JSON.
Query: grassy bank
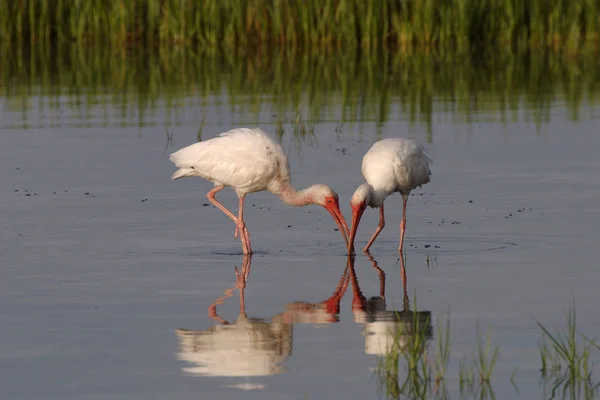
{"x":324,"y":23}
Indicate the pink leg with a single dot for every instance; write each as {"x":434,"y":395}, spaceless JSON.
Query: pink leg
{"x":241,"y":227}
{"x":380,"y":227}
{"x":403,"y":223}
{"x":211,"y":198}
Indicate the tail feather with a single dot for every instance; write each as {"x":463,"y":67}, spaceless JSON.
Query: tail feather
{"x":182,"y":173}
{"x":176,"y":157}
{"x":182,"y":159}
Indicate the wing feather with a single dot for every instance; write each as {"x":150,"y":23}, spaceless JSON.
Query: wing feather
{"x":396,"y":165}
{"x":245,"y":159}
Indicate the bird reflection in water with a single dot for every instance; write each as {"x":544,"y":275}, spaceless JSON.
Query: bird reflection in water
{"x":252,"y":346}
{"x":324,"y":312}
{"x":385,"y":327}
{"x":245,"y":347}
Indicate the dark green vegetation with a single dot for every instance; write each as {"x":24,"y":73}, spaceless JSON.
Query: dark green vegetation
{"x":411,"y":369}
{"x":566,"y":360}
{"x":462,"y":24}
{"x":507,"y":86}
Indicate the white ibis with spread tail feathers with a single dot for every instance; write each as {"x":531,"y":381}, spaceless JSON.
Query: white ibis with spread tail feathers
{"x":248,"y":160}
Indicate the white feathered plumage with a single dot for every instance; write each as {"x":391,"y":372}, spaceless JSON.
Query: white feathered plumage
{"x":391,"y":165}
{"x":249,"y":160}
{"x":245,"y":159}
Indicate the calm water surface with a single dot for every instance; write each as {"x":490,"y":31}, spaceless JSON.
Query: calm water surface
{"x":120,"y":283}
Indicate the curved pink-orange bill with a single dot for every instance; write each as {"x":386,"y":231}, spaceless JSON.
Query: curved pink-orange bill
{"x":339,"y":219}
{"x":356,"y":216}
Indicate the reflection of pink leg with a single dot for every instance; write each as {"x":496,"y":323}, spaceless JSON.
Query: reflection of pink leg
{"x":403,"y":273}
{"x":243,"y":277}
{"x":212,"y":312}
{"x":381,"y":276}
{"x":359,"y":301}
{"x":212,"y":199}
{"x":403,"y":223}
{"x":241,"y":281}
{"x":212,"y":309}
{"x":240,"y":284}
{"x":247,"y":262}
{"x":242,"y":302}
{"x":380,"y":227}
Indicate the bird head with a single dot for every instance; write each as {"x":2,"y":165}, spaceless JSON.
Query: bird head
{"x":326,"y":197}
{"x":360,"y":199}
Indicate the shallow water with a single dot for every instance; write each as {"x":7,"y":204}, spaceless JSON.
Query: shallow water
{"x":104,"y":258}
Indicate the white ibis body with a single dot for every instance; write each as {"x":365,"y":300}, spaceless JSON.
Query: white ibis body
{"x":390,"y":166}
{"x":249,"y":160}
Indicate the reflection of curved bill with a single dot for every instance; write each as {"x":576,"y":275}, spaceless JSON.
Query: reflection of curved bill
{"x":246,"y":347}
{"x":385,"y":327}
{"x":325,"y":312}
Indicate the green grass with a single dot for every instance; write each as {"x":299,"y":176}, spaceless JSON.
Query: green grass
{"x":323,"y":24}
{"x":486,"y":359}
{"x":503,"y":85}
{"x":566,"y":371}
{"x":443,"y":350}
{"x":409,"y":348}
{"x":570,"y":348}
{"x":302,"y":131}
{"x":475,"y":378}
{"x":566,"y":359}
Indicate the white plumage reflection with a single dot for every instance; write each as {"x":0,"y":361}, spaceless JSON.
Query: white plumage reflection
{"x":242,"y":348}
{"x":386,"y":329}
{"x":390,"y":166}
{"x":248,"y":160}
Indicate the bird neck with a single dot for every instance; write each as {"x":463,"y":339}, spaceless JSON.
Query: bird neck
{"x":378,"y":196}
{"x":295,"y":198}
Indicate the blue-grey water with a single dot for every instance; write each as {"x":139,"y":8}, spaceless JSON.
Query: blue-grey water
{"x":103,"y":257}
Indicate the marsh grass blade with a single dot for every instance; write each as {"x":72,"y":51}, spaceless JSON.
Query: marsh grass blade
{"x":486,"y":358}
{"x":566,"y":359}
{"x":443,"y":350}
{"x":324,"y":25}
{"x":342,"y":86}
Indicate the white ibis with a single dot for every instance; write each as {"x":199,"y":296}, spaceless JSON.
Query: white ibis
{"x":248,"y":160}
{"x":390,"y":165}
